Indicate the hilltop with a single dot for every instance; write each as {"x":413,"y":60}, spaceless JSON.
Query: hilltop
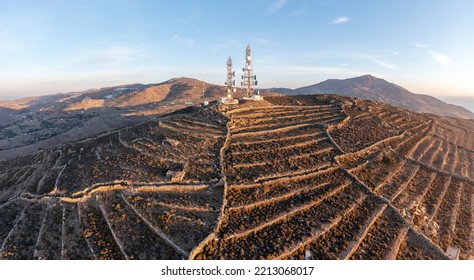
{"x":290,"y":177}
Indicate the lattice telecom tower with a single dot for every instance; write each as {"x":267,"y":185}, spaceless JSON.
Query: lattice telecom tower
{"x":230,"y":83}
{"x":248,"y":79}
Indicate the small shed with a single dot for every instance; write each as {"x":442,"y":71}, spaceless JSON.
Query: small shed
{"x":175,"y":176}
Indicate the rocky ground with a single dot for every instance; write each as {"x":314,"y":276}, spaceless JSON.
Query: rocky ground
{"x":327,"y":177}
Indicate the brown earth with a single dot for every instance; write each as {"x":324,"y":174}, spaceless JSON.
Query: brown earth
{"x":337,"y":177}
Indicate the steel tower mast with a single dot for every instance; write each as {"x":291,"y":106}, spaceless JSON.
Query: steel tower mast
{"x":230,"y":83}
{"x":248,"y":79}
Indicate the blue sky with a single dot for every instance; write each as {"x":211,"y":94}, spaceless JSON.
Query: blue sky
{"x":59,"y":46}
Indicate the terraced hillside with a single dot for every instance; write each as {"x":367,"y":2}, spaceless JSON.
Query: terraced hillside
{"x":109,"y":197}
{"x":323,"y":177}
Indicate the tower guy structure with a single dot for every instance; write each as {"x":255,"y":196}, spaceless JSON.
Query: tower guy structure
{"x":248,"y":79}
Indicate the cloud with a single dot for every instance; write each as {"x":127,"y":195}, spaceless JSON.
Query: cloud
{"x":187,"y":42}
{"x":113,"y":56}
{"x":395,"y":53}
{"x":420,"y":46}
{"x":372,"y":58}
{"x":225,"y":42}
{"x":277,"y":5}
{"x":299,"y":11}
{"x":341,"y":20}
{"x":381,"y":62}
{"x":309,"y":69}
{"x":321,"y":55}
{"x":439,"y":58}
{"x":296,"y":75}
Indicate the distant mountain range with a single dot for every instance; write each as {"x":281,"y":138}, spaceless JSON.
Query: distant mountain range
{"x":178,"y":90}
{"x":187,"y":91}
{"x":375,"y":89}
{"x":42,"y":122}
{"x":33,"y":123}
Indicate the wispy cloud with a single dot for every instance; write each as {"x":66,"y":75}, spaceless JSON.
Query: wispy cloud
{"x":187,"y":42}
{"x":276,"y":6}
{"x":396,"y":53}
{"x":341,"y":20}
{"x":439,"y":58}
{"x":381,"y":62}
{"x":225,"y":42}
{"x":110,"y":57}
{"x":377,"y":59}
{"x":374,"y":59}
{"x":309,"y":69}
{"x":300,"y":11}
{"x":307,"y":74}
{"x":420,"y":46}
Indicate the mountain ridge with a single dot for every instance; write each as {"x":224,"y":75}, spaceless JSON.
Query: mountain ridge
{"x":376,"y":89}
{"x":186,"y":90}
{"x":34,"y":123}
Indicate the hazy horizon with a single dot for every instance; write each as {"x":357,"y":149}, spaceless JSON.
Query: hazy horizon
{"x":463,"y":101}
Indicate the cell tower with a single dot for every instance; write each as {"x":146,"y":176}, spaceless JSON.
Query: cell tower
{"x":230,"y":83}
{"x":248,"y":79}
{"x":203,"y":89}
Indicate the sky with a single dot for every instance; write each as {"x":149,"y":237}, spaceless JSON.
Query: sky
{"x":50,"y":46}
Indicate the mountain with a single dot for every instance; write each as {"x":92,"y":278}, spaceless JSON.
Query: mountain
{"x":178,"y":90}
{"x":33,"y":123}
{"x":375,"y":89}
